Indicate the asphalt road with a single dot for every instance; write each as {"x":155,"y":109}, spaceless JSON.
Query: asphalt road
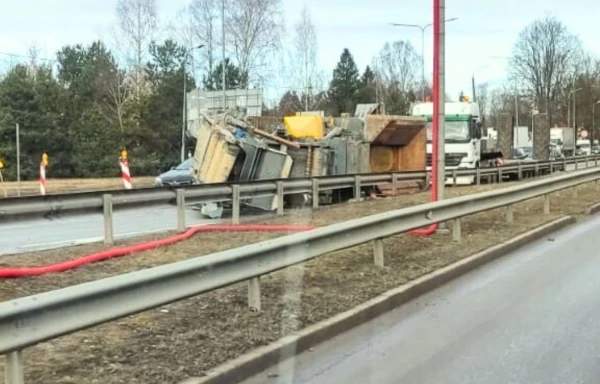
{"x":530,"y":317}
{"x":40,"y":234}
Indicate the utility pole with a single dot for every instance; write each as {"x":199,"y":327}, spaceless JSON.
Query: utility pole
{"x":224,"y":66}
{"x":440,"y":47}
{"x":18,"y":161}
{"x":184,"y":122}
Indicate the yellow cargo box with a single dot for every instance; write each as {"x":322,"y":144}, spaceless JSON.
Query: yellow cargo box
{"x":304,"y":127}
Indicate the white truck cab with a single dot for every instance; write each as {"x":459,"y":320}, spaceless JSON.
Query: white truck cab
{"x":462,"y":136}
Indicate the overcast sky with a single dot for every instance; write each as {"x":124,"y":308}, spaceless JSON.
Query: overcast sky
{"x":483,"y":29}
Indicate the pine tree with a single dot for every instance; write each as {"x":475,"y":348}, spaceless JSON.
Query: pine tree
{"x":367,"y":92}
{"x":345,"y":84}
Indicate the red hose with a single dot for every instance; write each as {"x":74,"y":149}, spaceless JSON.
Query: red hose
{"x":436,"y":114}
{"x":122,"y":251}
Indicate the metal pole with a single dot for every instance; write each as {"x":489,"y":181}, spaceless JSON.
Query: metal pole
{"x":224,"y":66}
{"x":575,"y":112}
{"x":184,"y":122}
{"x":516,"y":104}
{"x":18,"y":161}
{"x":423,"y":63}
{"x":441,"y":169}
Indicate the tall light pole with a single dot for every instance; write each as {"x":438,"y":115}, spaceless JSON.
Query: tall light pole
{"x":422,"y":28}
{"x":594,"y":119}
{"x":224,"y":66}
{"x":573,"y":92}
{"x":473,"y":80}
{"x":184,"y":122}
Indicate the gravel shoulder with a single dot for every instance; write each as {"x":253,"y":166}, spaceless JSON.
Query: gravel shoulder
{"x":192,"y":336}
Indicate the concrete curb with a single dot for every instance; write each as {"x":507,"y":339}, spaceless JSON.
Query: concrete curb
{"x":262,"y":358}
{"x":593,"y":209}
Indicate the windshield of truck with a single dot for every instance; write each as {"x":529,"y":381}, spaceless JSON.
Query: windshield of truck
{"x":456,"y":131}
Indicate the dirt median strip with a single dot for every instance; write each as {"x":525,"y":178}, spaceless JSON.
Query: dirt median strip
{"x":53,"y":186}
{"x":191,"y":337}
{"x":263,"y":358}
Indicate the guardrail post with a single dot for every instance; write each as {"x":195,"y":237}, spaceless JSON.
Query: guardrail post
{"x":107,"y":207}
{"x":395,"y":184}
{"x":378,"y":253}
{"x":576,"y":164}
{"x":536,"y":170}
{"x":254,"y":293}
{"x":519,"y":171}
{"x":478,"y":176}
{"x":13,"y":368}
{"x":357,"y":187}
{"x":564,"y":162}
{"x":596,"y":160}
{"x":586,"y":162}
{"x":454,"y":176}
{"x":499,"y":175}
{"x":510,"y":213}
{"x":315,"y":193}
{"x":280,"y":198}
{"x":180,"y":194}
{"x":456,"y":230}
{"x":546,"y":204}
{"x":551,"y":167}
{"x":235,"y":204}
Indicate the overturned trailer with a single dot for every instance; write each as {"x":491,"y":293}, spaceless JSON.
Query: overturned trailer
{"x":230,"y":149}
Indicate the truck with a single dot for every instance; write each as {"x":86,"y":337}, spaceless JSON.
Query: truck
{"x":564,"y":139}
{"x":521,"y":137}
{"x":463,"y":139}
{"x":584,"y":147}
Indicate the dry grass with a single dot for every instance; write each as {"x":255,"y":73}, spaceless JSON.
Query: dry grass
{"x":190,"y":337}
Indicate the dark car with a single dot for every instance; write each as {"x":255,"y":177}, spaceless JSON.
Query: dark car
{"x":176,"y":176}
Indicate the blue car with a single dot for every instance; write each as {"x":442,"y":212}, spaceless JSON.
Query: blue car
{"x":176,"y":176}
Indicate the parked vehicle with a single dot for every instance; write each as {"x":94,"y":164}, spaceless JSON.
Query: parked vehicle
{"x":176,"y":176}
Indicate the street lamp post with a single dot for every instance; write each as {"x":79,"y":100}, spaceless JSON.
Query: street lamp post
{"x":574,"y":92}
{"x":594,"y":119}
{"x":184,"y":122}
{"x":422,"y":28}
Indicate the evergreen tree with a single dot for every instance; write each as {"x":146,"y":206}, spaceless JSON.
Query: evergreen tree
{"x":367,"y":92}
{"x":345,"y":85}
{"x":235,"y":78}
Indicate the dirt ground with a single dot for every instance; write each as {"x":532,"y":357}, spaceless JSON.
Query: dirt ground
{"x":189,"y":337}
{"x":28,"y":188}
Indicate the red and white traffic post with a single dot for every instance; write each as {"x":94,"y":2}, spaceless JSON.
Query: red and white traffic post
{"x":125,"y":175}
{"x":43,"y":165}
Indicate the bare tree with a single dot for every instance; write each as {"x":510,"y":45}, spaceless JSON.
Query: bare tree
{"x":198,"y":24}
{"x":397,"y":67}
{"x":304,"y":56}
{"x":254,"y":30}
{"x":137,"y":21}
{"x":544,"y":58}
{"x":483,"y":99}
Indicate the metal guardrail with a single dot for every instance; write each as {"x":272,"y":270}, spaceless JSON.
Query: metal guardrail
{"x":30,"y":320}
{"x":60,"y":205}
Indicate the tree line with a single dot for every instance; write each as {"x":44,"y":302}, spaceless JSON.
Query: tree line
{"x":126,"y":90}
